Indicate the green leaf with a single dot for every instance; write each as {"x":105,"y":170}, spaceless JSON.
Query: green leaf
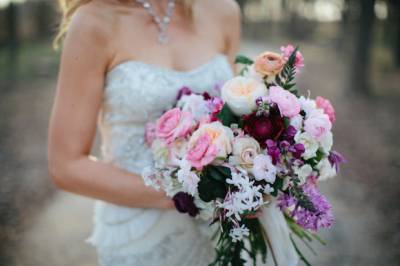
{"x":299,"y":252}
{"x":212,"y":182}
{"x":227,"y":117}
{"x":242,"y":59}
{"x":277,"y":186}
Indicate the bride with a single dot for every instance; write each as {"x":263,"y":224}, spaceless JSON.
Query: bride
{"x":122,"y":65}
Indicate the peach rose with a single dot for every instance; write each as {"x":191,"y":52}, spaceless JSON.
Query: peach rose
{"x":269,"y":63}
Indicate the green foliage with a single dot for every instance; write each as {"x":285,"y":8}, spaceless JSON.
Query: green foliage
{"x":287,"y":76}
{"x":277,"y":186}
{"x":229,"y":253}
{"x":315,"y":160}
{"x":304,"y":235}
{"x":227,"y":117}
{"x":242,"y":59}
{"x":212,"y":183}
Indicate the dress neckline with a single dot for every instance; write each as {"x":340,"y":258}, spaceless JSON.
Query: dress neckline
{"x":202,"y":66}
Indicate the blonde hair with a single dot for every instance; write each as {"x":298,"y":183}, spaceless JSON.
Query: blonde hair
{"x":68,"y":8}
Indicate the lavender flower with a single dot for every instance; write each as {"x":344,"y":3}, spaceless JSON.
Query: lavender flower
{"x":308,"y":207}
{"x":273,"y":151}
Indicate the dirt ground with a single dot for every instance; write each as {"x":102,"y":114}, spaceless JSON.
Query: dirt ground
{"x":365,"y":195}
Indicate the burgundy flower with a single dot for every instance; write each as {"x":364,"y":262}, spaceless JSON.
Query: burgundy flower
{"x":183,"y":91}
{"x":263,"y":127}
{"x":184,"y":203}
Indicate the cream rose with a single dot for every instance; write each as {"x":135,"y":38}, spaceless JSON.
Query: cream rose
{"x":240,"y":93}
{"x":220,"y":135}
{"x":269,"y":64}
{"x":245,"y":149}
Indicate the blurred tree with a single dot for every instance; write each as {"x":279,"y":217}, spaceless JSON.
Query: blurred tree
{"x":393,"y":27}
{"x":360,"y":77}
{"x":12,"y":35}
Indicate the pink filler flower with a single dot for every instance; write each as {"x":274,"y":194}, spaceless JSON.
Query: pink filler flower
{"x":327,"y":107}
{"x":299,"y":61}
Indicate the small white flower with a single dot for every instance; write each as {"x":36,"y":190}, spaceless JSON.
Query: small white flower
{"x":303,"y":172}
{"x":268,"y":189}
{"x":194,"y":104}
{"x":326,"y":142}
{"x":150,"y":178}
{"x":297,"y":122}
{"x":310,"y":144}
{"x":263,"y":169}
{"x":238,"y":233}
{"x":160,"y":151}
{"x":326,"y":170}
{"x":309,"y":106}
{"x":188,"y":178}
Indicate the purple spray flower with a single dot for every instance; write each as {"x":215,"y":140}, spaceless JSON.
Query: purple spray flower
{"x":289,"y":133}
{"x":336,"y":159}
{"x":313,"y":213}
{"x":184,"y":203}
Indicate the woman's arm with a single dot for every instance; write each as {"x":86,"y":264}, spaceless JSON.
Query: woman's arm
{"x":232,"y":28}
{"x":72,"y":128}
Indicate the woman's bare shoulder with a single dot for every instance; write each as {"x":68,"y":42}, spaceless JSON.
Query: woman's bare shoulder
{"x":93,"y":21}
{"x":225,"y":9}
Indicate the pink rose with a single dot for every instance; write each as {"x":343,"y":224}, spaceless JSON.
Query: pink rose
{"x":269,"y":64}
{"x":202,"y":152}
{"x":174,"y":124}
{"x":287,"y":52}
{"x":327,"y":107}
{"x":287,"y":102}
{"x":150,"y":133}
{"x":317,"y":125}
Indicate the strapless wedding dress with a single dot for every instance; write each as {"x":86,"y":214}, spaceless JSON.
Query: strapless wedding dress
{"x":134,"y":94}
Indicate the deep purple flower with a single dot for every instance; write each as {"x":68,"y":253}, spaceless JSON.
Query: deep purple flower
{"x":284,"y":145}
{"x":263,"y":127}
{"x":336,"y":159}
{"x":273,"y":151}
{"x":297,"y":150}
{"x":183,"y":91}
{"x":289,"y":133}
{"x":184,"y":203}
{"x":318,"y":215}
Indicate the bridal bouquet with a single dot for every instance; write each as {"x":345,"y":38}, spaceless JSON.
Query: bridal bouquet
{"x":225,"y":158}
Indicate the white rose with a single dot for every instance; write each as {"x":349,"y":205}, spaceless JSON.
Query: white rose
{"x":221,"y":136}
{"x":244,"y":151}
{"x":326,"y":142}
{"x":160,"y":151}
{"x":194,"y":104}
{"x":303,"y":172}
{"x":326,"y":170}
{"x":240,"y":93}
{"x":310,"y":144}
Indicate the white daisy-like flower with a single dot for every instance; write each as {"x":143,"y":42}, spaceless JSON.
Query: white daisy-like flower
{"x":188,"y":178}
{"x":238,"y":233}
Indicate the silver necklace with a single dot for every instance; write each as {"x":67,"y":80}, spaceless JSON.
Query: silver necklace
{"x":161,"y":22}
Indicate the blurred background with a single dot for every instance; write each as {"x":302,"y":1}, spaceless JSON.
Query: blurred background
{"x":352,"y":52}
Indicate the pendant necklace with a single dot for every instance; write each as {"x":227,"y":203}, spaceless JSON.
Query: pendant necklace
{"x":162,"y":22}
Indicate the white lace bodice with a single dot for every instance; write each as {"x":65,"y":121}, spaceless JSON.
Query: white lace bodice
{"x":134,"y":94}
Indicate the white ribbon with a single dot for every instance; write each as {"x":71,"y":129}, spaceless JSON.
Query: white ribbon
{"x":278,"y":240}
